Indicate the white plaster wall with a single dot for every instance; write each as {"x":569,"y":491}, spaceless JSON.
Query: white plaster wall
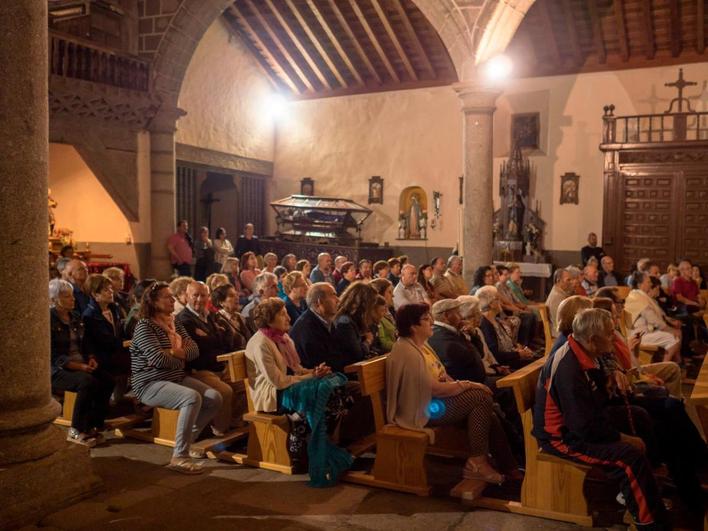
{"x":408,"y":138}
{"x":225,"y":93}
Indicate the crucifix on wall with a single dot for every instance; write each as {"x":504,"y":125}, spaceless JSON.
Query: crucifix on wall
{"x":208,"y":201}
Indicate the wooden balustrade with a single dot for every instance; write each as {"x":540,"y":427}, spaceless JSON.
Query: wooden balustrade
{"x":77,"y":58}
{"x":653,"y":128}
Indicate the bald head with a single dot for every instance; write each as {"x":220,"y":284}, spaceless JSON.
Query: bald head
{"x":75,"y":272}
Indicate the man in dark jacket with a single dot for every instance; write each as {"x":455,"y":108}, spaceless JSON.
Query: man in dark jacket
{"x":202,"y":328}
{"x":570,"y":418}
{"x":461,"y":359}
{"x":247,"y":242}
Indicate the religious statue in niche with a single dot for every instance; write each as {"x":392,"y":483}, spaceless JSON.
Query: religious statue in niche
{"x":570,"y":184}
{"x":307,"y":186}
{"x":436,"y":209}
{"x":526,"y":130}
{"x":376,"y":190}
{"x":413,"y":214}
{"x":517,"y":225}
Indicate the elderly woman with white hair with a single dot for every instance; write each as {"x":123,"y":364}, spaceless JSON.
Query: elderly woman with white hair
{"x":471,"y":321}
{"x":73,"y":369}
{"x":500,"y":343}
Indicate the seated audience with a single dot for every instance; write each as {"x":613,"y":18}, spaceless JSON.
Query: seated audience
{"x":378,"y":314}
{"x":515,"y":285}
{"x":567,"y":310}
{"x":247,"y":242}
{"x":483,"y":276}
{"x":471,"y":321}
{"x":75,"y":369}
{"x":313,"y":332}
{"x":136,"y":297}
{"x":461,"y":359}
{"x":697,"y":276}
{"x":279,"y":383}
{"x":496,"y":335}
{"x":443,"y":289}
{"x":420,"y":394}
{"x":365,"y":270}
{"x":649,"y":321}
{"x":232,"y":272}
{"x":160,"y":349}
{"x":394,"y":271}
{"x":348,"y":275}
{"x":590,"y":280}
{"x":562,"y":289}
{"x":576,"y":280}
{"x":386,"y":334}
{"x":425,"y":274}
{"x":591,"y":250}
{"x":103,"y":339}
{"x":249,"y":272}
{"x":280,"y":272}
{"x":76,"y":273}
{"x":228,"y":317}
{"x":270,"y":262}
{"x":667,"y":279}
{"x":322,"y":272}
{"x":305,"y":268}
{"x":178,"y":288}
{"x":642,"y":265}
{"x":352,"y":324}
{"x":213,"y":281}
{"x":454,"y":277}
{"x":570,"y":418}
{"x":381,"y":269}
{"x":408,"y":290}
{"x":289,"y":261}
{"x":685,"y":291}
{"x":122,"y":299}
{"x":339,"y":261}
{"x":608,"y":276}
{"x":264,"y":287}
{"x":205,"y":263}
{"x":204,"y":330}
{"x":528,"y":321}
{"x":222,"y":247}
{"x":295,"y":288}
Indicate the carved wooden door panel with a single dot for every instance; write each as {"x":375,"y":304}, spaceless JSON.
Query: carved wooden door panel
{"x":648,"y":222}
{"x":694,"y":218}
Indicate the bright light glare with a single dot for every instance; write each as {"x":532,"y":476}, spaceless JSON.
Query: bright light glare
{"x":498,"y":68}
{"x":275,"y":105}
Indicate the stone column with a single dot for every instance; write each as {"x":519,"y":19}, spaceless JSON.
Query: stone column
{"x":478,"y":207}
{"x":39,"y":471}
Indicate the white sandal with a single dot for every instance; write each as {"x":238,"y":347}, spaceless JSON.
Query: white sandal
{"x":185,"y":465}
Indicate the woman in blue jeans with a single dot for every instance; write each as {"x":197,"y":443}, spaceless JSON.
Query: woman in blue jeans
{"x":159,"y":351}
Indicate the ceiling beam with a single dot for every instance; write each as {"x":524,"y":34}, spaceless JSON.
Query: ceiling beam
{"x":355,"y":42}
{"x":700,"y":26}
{"x":284,"y":51}
{"x":253,"y":36}
{"x":398,"y":5}
{"x":336,"y":71}
{"x":675,"y":33}
{"x":572,"y":31}
{"x":597,"y":36}
{"x":299,"y":45}
{"x":335,"y":41}
{"x":551,"y":40}
{"x":374,"y":40}
{"x":394,"y":38}
{"x":621,"y":30}
{"x":648,"y":29}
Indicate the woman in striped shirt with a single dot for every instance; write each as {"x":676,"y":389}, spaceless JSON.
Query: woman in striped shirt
{"x":159,"y":351}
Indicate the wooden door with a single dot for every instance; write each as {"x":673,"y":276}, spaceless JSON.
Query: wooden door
{"x":694,"y":218}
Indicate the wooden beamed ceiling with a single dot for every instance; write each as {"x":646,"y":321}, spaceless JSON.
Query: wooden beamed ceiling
{"x":319,"y":48}
{"x":571,"y":36}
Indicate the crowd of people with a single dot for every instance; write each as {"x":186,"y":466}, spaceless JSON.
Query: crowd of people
{"x":301,"y":324}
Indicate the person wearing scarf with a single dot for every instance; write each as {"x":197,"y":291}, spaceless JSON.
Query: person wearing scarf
{"x":314,"y":399}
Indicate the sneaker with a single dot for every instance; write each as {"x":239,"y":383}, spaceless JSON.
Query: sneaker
{"x":83,"y":439}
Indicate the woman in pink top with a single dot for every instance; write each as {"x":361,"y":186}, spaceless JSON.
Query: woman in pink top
{"x":249,"y":272}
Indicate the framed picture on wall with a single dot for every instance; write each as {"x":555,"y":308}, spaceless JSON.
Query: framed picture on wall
{"x":376,"y":190}
{"x":570,"y":188}
{"x":526,"y":130}
{"x":307,"y":186}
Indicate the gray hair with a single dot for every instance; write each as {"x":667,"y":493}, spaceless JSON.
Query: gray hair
{"x":408,"y":266}
{"x":469,"y":305}
{"x":62,"y":263}
{"x":591,"y":323}
{"x":451,"y":260}
{"x":261,"y":281}
{"x":486,"y":295}
{"x":574,"y":271}
{"x":226,"y":267}
{"x":316,"y":293}
{"x":58,"y":286}
{"x":558,"y":275}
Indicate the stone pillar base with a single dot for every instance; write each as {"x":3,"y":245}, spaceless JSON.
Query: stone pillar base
{"x":34,"y":489}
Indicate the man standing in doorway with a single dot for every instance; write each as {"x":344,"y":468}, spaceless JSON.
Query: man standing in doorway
{"x":179,"y":246}
{"x":248,"y":241}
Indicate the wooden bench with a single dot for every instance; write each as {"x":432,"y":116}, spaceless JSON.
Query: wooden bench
{"x":68,"y":402}
{"x":699,"y":396}
{"x":622,"y":291}
{"x":547,"y":332}
{"x":552,"y":487}
{"x":164,"y":427}
{"x":646,"y":353}
{"x":400,"y":453}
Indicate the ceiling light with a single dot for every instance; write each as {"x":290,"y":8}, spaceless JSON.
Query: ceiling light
{"x":498,"y":68}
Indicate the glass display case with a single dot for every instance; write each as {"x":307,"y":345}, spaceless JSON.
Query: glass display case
{"x":320,"y":219}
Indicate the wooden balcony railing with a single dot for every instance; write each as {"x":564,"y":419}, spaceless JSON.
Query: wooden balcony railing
{"x":653,"y":128}
{"x":70,"y":56}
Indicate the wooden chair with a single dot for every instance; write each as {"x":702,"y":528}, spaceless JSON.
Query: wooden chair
{"x":267,"y":433}
{"x":552,"y":487}
{"x":164,"y":427}
{"x":400,"y":453}
{"x":545,"y":320}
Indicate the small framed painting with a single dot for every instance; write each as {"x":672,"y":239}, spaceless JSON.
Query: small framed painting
{"x":525,"y":130}
{"x":570,"y":188}
{"x":376,"y":190}
{"x":307,"y":186}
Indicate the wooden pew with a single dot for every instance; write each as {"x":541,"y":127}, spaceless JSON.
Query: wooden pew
{"x":622,"y":291}
{"x":68,"y":402}
{"x":267,"y":433}
{"x":164,"y":426}
{"x":400,"y":453}
{"x":547,"y":332}
{"x":646,"y":352}
{"x":552,"y":487}
{"x":699,"y":396}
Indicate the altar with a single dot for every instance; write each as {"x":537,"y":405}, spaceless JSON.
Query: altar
{"x":539,"y":273}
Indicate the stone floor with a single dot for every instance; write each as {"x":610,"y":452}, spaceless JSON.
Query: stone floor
{"x":140,"y":494}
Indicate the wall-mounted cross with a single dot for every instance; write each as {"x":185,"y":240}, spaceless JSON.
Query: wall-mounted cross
{"x":680,"y":84}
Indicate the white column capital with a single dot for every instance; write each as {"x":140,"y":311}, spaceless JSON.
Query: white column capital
{"x":476,"y":98}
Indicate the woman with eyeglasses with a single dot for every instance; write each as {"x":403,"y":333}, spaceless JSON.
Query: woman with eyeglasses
{"x":159,"y":351}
